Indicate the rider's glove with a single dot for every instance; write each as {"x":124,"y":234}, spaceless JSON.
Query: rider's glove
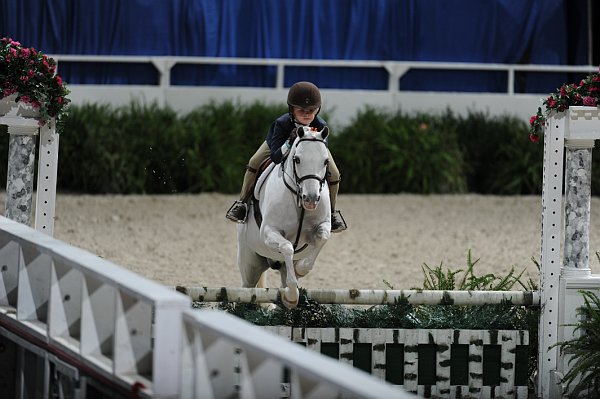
{"x":285,"y":148}
{"x":292,"y":137}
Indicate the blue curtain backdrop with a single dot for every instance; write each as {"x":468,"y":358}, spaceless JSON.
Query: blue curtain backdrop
{"x":488,"y":31}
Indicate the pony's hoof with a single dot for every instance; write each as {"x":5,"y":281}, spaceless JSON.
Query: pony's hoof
{"x":323,"y":234}
{"x":289,"y":304}
{"x":302,"y":268}
{"x":298,"y":275}
{"x":301,"y":271}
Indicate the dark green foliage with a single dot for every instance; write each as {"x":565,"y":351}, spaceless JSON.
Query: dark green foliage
{"x":155,"y":150}
{"x":387,"y":316}
{"x":391,"y":153}
{"x":486,"y":317}
{"x":585,"y":350}
{"x":222,"y":138}
{"x":500,"y":157}
{"x":309,"y":313}
{"x":436,"y":279}
{"x":149,"y":149}
{"x":106,"y":151}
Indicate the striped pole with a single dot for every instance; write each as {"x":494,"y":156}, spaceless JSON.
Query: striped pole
{"x":365,"y":297}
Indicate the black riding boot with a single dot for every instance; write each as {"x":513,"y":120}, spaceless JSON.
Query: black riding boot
{"x":338,"y":224}
{"x":237,"y":212}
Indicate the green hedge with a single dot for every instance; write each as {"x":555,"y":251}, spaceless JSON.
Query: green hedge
{"x":154,"y":150}
{"x":147,"y":149}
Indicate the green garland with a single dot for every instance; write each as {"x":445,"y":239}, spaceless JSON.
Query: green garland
{"x":310,"y":313}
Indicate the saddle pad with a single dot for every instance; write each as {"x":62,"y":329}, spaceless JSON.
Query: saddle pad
{"x":261,"y":179}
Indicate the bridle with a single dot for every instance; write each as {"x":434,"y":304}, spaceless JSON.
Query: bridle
{"x":297,"y":180}
{"x":297,"y":191}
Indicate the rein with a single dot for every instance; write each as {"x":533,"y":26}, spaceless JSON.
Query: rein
{"x":296,"y":191}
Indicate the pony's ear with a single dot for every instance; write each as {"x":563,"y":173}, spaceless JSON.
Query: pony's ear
{"x":325,"y":132}
{"x":300,"y":131}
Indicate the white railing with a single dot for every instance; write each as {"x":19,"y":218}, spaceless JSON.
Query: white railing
{"x":395,"y":69}
{"x":224,"y":356}
{"x":341,"y":104}
{"x":82,"y":307}
{"x":133,"y":334}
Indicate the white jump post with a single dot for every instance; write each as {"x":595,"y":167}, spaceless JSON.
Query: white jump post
{"x":23,"y":126}
{"x":570,"y":133}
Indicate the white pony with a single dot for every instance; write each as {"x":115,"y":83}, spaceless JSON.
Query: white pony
{"x":296,"y":216}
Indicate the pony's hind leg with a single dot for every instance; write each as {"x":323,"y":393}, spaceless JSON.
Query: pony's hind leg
{"x":251,"y":265}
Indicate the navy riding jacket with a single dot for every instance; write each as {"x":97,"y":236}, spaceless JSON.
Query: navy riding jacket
{"x":280,"y":131}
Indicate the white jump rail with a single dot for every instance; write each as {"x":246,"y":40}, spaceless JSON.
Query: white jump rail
{"x":365,"y":297}
{"x":212,"y":340}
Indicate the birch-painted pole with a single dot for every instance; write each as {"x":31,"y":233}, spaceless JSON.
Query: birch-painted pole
{"x":364,"y":297}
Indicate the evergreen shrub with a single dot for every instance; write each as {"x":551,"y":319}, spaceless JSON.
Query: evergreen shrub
{"x":155,"y":150}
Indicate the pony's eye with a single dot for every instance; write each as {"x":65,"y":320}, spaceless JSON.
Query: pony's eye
{"x":296,"y":159}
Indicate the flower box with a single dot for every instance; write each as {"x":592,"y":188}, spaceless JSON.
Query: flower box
{"x":582,"y":123}
{"x":30,"y":76}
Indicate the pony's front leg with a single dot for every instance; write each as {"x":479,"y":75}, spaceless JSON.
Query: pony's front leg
{"x":274,"y":240}
{"x":322,"y":234}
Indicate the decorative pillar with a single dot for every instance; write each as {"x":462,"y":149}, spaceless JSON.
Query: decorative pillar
{"x":578,"y":194}
{"x":23,"y":127}
{"x":20,"y":173}
{"x":22,"y":123}
{"x":571,"y":133}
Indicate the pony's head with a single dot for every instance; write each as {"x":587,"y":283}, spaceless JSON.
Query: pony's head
{"x":310,"y":157}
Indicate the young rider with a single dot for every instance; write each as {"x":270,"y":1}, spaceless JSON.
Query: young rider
{"x":304,"y":104}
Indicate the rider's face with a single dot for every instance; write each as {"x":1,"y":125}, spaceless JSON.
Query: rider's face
{"x":305,"y":115}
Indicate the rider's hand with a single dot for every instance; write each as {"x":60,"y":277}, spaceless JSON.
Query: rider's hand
{"x":292,"y":137}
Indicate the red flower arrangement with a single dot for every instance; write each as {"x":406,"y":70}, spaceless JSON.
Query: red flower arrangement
{"x":32,"y":76}
{"x":586,"y":93}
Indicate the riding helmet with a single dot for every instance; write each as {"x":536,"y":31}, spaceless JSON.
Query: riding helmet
{"x":304,"y":94}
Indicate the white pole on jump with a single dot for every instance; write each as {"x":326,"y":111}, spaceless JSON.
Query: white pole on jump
{"x":561,"y":279}
{"x":47,"y":177}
